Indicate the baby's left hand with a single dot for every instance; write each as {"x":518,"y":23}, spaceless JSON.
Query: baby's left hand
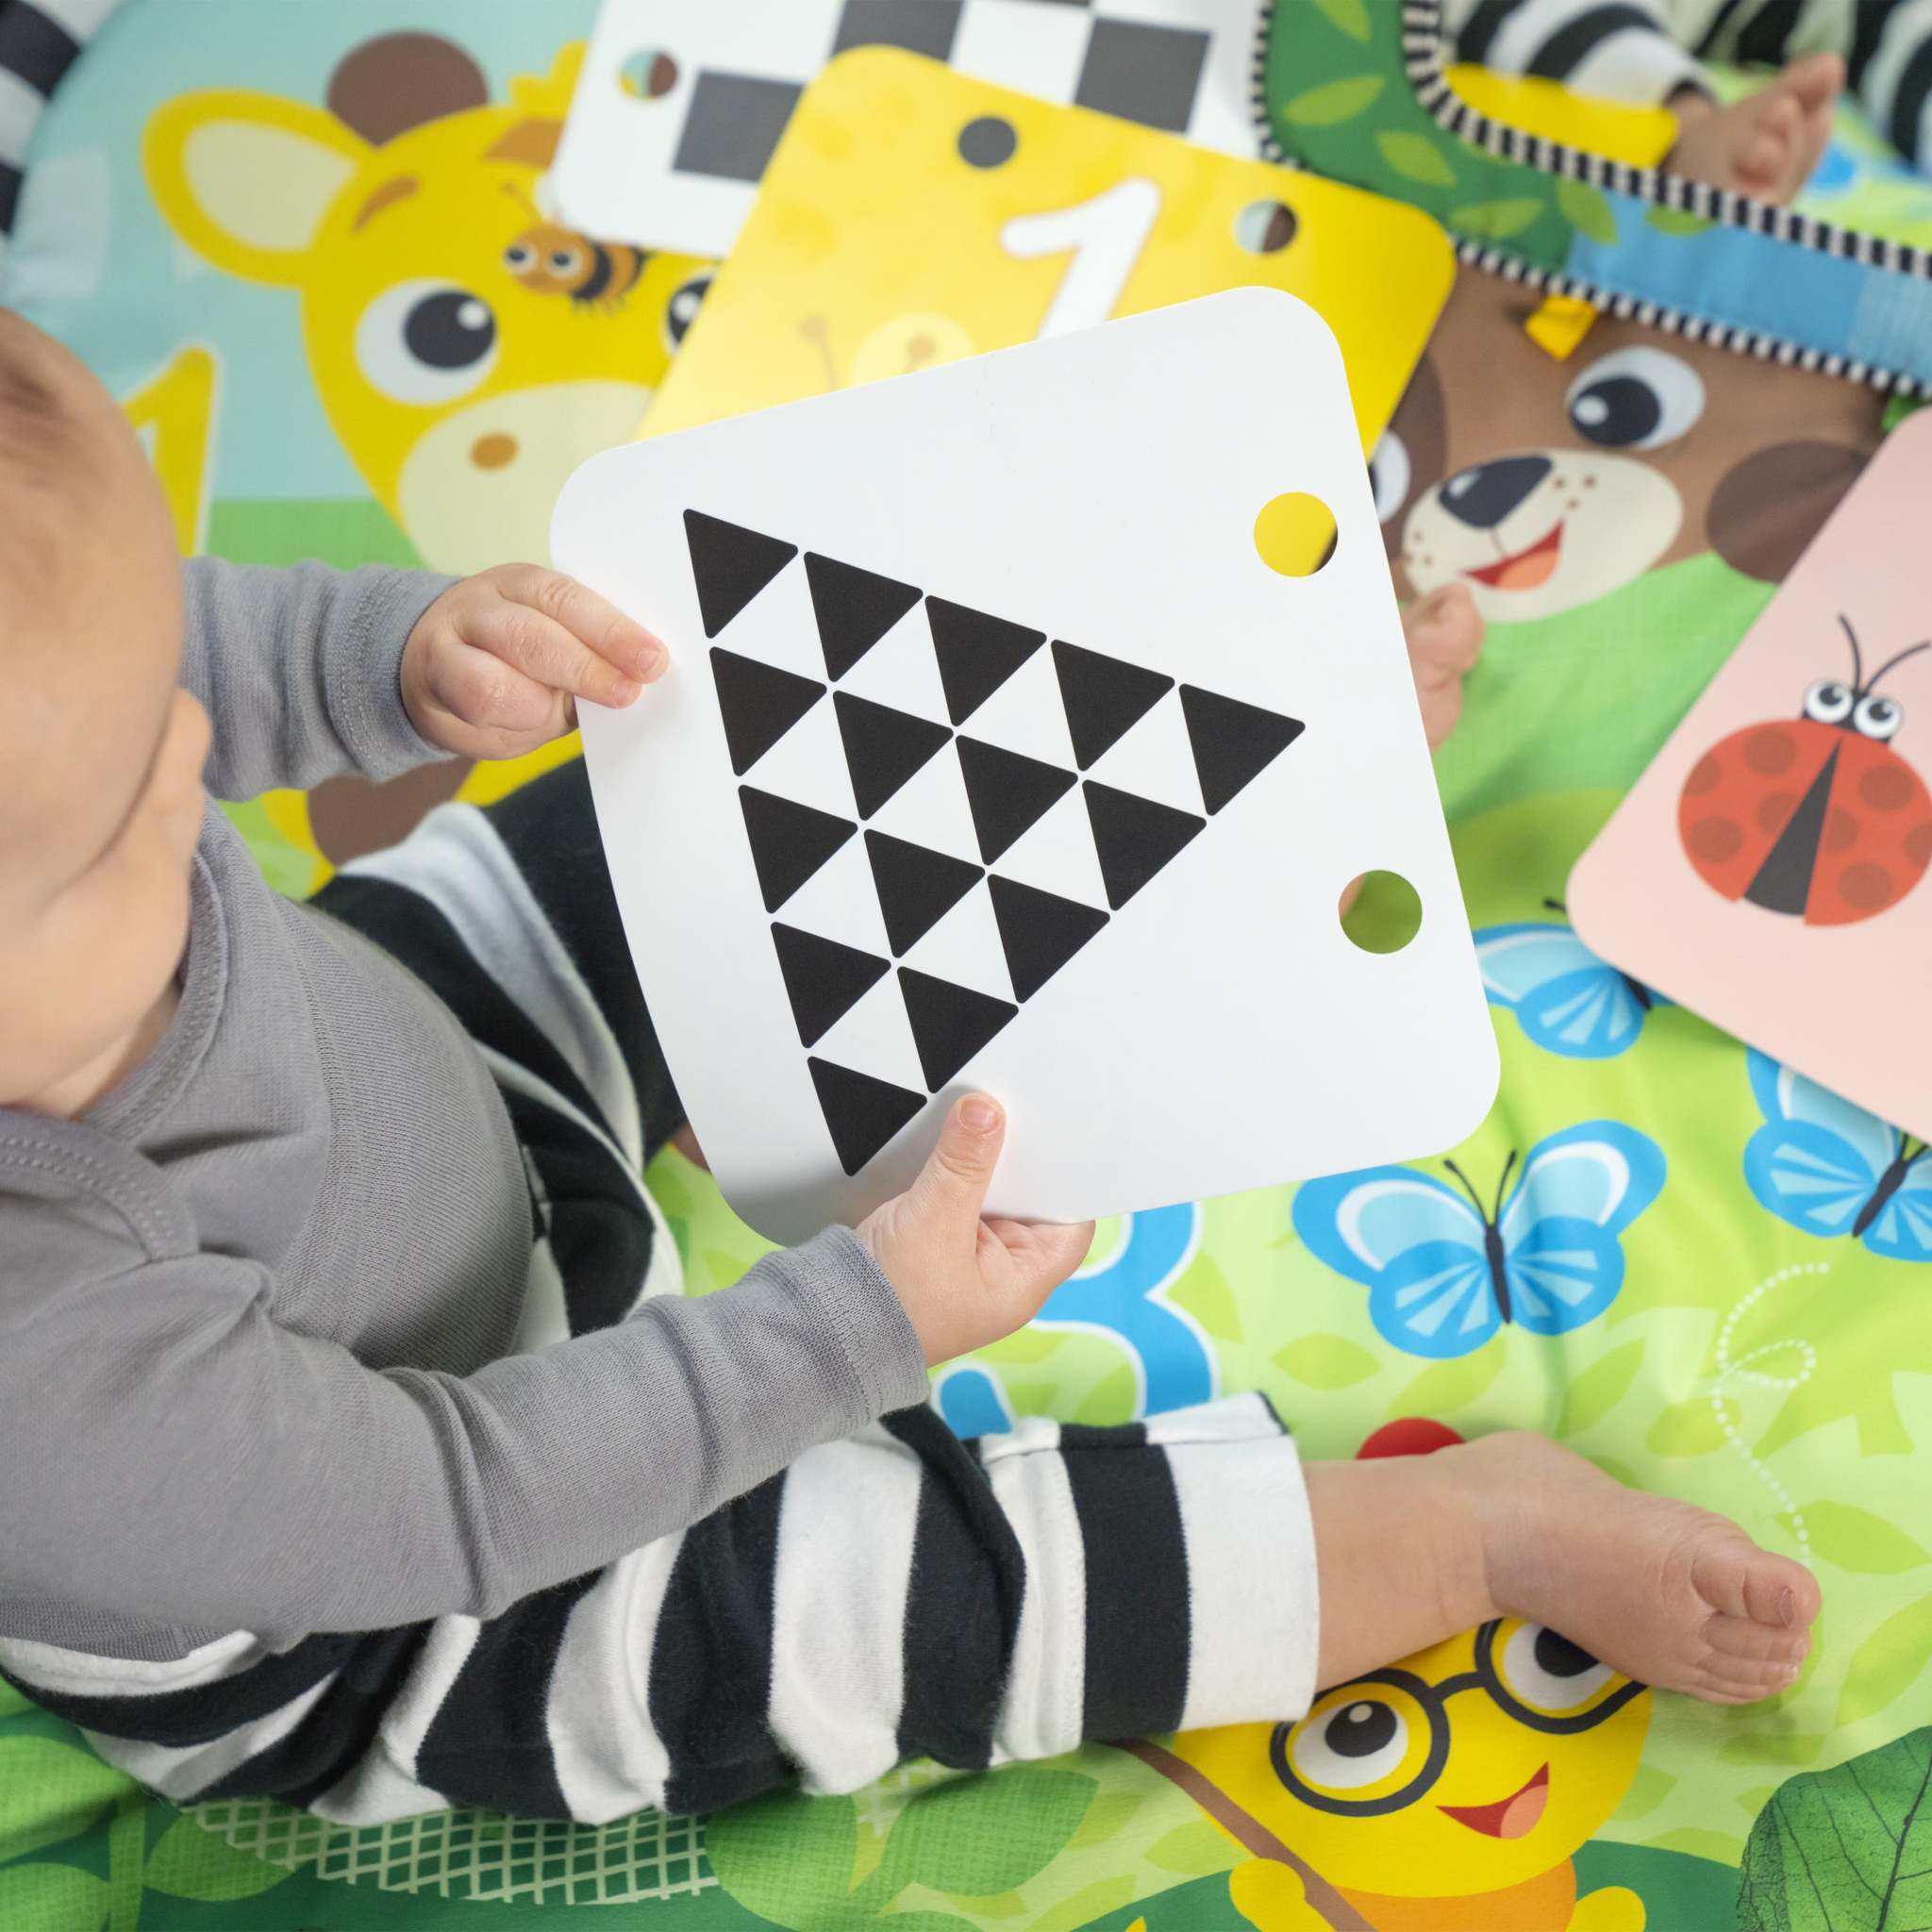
{"x":495,"y":666}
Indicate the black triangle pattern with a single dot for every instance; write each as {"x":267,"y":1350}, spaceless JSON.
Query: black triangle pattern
{"x":917,"y":886}
{"x":1010,"y":795}
{"x":950,"y":1024}
{"x":863,"y":1113}
{"x":1233,"y":742}
{"x":1106,"y":697}
{"x":1038,"y":931}
{"x":760,"y":704}
{"x":788,"y":842}
{"x":883,"y":747}
{"x":855,"y":608}
{"x":1135,"y":838}
{"x":730,"y":565}
{"x":976,"y":652}
{"x":822,"y":979}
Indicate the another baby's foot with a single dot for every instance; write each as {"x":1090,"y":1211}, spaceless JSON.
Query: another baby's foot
{"x":1445,"y":638}
{"x":1664,"y":1591}
{"x":1767,"y":144}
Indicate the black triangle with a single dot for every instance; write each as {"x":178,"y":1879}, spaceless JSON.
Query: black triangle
{"x":824,"y":979}
{"x":760,"y":704}
{"x":883,"y":747}
{"x":976,"y":652}
{"x":917,"y":887}
{"x":1009,"y":793}
{"x":731,"y":565}
{"x":1233,"y":742}
{"x":1135,"y":838}
{"x":1039,"y":931}
{"x":1104,"y":697}
{"x":950,"y":1024}
{"x":855,"y":609}
{"x":863,"y":1113}
{"x":788,"y":842}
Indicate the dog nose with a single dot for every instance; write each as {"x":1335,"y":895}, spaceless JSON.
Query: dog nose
{"x":1485,"y":494}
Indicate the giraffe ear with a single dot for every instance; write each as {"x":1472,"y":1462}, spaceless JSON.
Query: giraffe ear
{"x":245,"y":179}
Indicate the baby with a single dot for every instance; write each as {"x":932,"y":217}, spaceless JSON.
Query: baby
{"x":346,"y":1461}
{"x":1766,"y":144}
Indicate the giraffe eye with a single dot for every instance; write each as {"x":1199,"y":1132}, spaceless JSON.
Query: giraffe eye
{"x":426,"y":342}
{"x":682,"y":309}
{"x":1877,"y":717}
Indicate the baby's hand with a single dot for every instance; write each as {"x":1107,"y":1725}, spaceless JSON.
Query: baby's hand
{"x":495,"y":666}
{"x":964,"y":1281}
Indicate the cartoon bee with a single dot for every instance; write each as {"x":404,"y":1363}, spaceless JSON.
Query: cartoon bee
{"x":1450,"y":1790}
{"x":1818,"y":816}
{"x":552,"y":259}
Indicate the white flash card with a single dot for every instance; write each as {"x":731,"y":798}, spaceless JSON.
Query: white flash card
{"x":994,"y":756}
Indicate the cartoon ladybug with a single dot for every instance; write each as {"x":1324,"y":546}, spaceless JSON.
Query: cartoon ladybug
{"x":1819,"y":817}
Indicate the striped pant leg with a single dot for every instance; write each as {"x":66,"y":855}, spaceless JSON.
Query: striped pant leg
{"x":1621,"y":49}
{"x":897,"y":1594}
{"x":1891,"y":63}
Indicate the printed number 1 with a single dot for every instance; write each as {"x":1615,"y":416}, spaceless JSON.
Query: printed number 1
{"x":1105,"y":236}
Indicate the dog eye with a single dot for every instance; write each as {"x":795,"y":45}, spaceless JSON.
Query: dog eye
{"x":1636,"y":399}
{"x":426,"y":342}
{"x":1878,"y":717}
{"x":1389,"y":475}
{"x":1828,"y":700}
{"x":682,"y":309}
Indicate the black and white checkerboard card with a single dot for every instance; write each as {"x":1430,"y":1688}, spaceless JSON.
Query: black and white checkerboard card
{"x":994,"y":756}
{"x":681,"y":102}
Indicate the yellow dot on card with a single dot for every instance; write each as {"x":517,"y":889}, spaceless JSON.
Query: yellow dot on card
{"x":1295,"y":534}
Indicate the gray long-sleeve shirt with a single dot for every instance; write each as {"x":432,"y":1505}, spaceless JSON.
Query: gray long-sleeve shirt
{"x":253,"y":1304}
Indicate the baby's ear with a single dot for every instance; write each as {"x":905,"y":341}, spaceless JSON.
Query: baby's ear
{"x":1764,"y":513}
{"x":246,"y":178}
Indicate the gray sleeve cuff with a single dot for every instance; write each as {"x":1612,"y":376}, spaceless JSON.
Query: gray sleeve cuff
{"x":379,"y":610}
{"x":834,"y":1275}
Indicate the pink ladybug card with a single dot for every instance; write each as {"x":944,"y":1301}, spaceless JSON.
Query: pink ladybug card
{"x":1768,"y":870}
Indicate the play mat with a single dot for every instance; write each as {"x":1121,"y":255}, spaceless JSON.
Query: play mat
{"x":1755,"y":1353}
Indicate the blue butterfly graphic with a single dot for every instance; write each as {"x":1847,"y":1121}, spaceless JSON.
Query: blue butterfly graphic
{"x":1444,"y":1273}
{"x":1830,"y":1168}
{"x":1564,"y":997}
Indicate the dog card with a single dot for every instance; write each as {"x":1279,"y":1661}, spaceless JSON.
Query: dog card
{"x":994,"y":756}
{"x":682,"y":102}
{"x":914,"y":215}
{"x":1768,"y":871}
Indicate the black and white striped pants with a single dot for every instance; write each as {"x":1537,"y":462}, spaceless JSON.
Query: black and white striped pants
{"x":900,"y":1593}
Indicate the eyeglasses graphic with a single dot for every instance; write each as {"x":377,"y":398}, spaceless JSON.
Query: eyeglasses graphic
{"x":1340,"y":1756}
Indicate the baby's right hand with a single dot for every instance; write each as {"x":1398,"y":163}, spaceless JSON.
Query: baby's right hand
{"x":964,"y":1281}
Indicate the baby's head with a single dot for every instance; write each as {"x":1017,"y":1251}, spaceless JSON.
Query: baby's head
{"x":100,"y":752}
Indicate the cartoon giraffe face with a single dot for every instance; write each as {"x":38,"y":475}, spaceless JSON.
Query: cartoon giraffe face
{"x":1470,"y":1768}
{"x":465,"y":375}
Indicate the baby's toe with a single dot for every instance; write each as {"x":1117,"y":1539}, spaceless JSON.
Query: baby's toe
{"x":1733,"y":1575}
{"x":1742,"y":1640}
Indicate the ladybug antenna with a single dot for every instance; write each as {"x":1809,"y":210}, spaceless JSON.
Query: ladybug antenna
{"x":1857,"y":658}
{"x":1892,"y":663}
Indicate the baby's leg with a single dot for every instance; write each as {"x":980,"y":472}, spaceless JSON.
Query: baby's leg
{"x":1766,"y":144}
{"x":1411,"y":1550}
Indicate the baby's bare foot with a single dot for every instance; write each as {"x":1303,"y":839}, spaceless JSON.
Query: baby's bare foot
{"x":1767,"y":144}
{"x":1664,"y":1591}
{"x":1445,"y":638}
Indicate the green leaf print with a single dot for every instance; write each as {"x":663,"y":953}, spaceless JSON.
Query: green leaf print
{"x":1350,"y":17}
{"x":190,"y":1862}
{"x":1445,"y":1386}
{"x":1415,"y":156}
{"x":1889,"y":1662}
{"x":1856,"y":1540}
{"x":1326,"y":1362}
{"x":1845,"y":1850}
{"x":1194,"y":1848}
{"x":1333,"y":102}
{"x":1598,"y":1389}
{"x":1688,"y":1428}
{"x":49,"y":1792}
{"x":54,"y":1897}
{"x":1677,"y":221}
{"x":1497,"y":221}
{"x":1093,"y":1901}
{"x":1584,"y":208}
{"x":1204,"y":1292}
{"x":788,"y":1858}
{"x":1109,"y":1401}
{"x":983,"y":1835}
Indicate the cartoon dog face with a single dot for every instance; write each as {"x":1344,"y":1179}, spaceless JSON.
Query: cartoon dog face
{"x":1544,"y":485}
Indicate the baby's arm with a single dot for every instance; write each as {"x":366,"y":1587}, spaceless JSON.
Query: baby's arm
{"x":308,"y":672}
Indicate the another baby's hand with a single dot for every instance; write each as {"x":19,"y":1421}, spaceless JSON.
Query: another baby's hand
{"x":494,"y":667}
{"x":964,"y":1281}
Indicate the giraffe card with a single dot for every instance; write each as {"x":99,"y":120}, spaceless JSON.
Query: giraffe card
{"x":1768,"y":870}
{"x":1006,"y":747}
{"x":914,"y":214}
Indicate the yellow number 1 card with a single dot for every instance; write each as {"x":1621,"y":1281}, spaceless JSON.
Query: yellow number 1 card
{"x":913,"y":215}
